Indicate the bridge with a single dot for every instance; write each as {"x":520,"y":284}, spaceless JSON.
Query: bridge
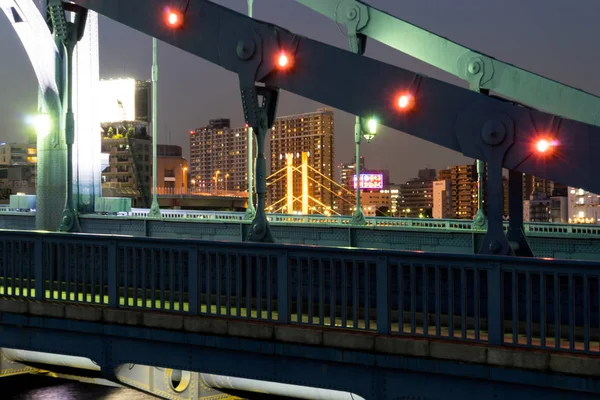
{"x":250,"y":315}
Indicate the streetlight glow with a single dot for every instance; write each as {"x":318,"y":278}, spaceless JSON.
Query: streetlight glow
{"x":41,"y":123}
{"x":372,"y":125}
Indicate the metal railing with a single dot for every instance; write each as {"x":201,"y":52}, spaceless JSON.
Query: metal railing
{"x":533,"y":303}
{"x":457,"y":225}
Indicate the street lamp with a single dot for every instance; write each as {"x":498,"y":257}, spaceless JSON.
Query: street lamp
{"x":154,"y":208}
{"x":183,"y":178}
{"x":217,"y":181}
{"x":226,"y":185}
{"x":366,"y":128}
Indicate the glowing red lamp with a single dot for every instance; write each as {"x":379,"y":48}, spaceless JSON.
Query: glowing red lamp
{"x":405,"y":101}
{"x":545,"y":146}
{"x":173,"y":18}
{"x":284,"y":60}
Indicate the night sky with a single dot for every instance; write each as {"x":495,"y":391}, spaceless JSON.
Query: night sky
{"x":555,"y":38}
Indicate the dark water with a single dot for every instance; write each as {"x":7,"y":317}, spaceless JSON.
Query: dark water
{"x":31,"y":387}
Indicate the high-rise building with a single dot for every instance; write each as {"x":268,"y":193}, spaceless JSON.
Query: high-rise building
{"x":537,"y":208}
{"x":310,"y":133}
{"x":415,"y":199}
{"x":219,"y":157}
{"x":463,"y":181}
{"x":127,"y":166}
{"x":442,"y":199}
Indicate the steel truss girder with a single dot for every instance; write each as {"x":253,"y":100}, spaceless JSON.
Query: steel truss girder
{"x":444,"y":114}
{"x":481,"y":71}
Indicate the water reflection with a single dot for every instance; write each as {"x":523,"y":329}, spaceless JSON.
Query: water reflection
{"x":32,"y":387}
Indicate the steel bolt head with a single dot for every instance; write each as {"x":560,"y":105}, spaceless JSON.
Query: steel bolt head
{"x":493,"y":133}
{"x":245,"y":48}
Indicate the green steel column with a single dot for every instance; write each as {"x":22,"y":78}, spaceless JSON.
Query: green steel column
{"x":358,"y":218}
{"x":154,"y":208}
{"x":250,"y":210}
{"x":480,"y":218}
{"x":70,"y":220}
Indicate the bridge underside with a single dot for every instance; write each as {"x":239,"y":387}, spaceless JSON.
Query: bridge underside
{"x":369,"y":365}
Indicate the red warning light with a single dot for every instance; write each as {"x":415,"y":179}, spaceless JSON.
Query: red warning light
{"x":405,"y":101}
{"x":284,"y":61}
{"x":174,"y":18}
{"x":545,"y":146}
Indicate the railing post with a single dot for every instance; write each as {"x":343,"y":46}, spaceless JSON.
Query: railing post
{"x":38,"y":258}
{"x":382,"y":285}
{"x":283,"y":310}
{"x":193,"y":281}
{"x":494,"y":292}
{"x":112,"y":265}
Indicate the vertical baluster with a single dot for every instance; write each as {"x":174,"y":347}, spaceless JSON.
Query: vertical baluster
{"x":218,"y":282}
{"x":155,"y":272}
{"x":438,"y":301}
{"x":299,"y":291}
{"x":543,"y":304}
{"x":135,"y":270}
{"x":528,"y":308}
{"x":21,"y":267}
{"x":476,"y":303}
{"x":77,"y":268}
{"x":515,"y":307}
{"x":182,"y":278}
{"x":144,"y":271}
{"x":309,"y":299}
{"x":5,"y":277}
{"x":162,"y":276}
{"x":367,"y":293}
{"x":332,"y":294}
{"x":171,"y":268}
{"x":228,"y":284}
{"x":450,"y":301}
{"x":425,"y":300}
{"x":103,"y":260}
{"x":355,"y":294}
{"x":249,"y":285}
{"x":400,"y":278}
{"x":321,"y":286}
{"x":586,"y":313}
{"x":92,"y":274}
{"x":269,"y":277}
{"x":259,"y":274}
{"x":208,"y":259}
{"x":60,"y":269}
{"x":344,"y":293}
{"x":463,"y":301}
{"x":413,"y":298}
{"x":238,"y":284}
{"x":571,"y":311}
{"x":557,"y":321}
{"x":126,"y":266}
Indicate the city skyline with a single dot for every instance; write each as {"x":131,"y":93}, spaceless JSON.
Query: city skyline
{"x":191,"y":91}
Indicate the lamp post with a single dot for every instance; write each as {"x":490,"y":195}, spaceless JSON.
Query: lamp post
{"x":226,"y":180}
{"x":250,"y":210}
{"x":154,"y":208}
{"x":369,"y":131}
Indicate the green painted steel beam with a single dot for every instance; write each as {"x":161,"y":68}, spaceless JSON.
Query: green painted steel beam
{"x":480,"y":70}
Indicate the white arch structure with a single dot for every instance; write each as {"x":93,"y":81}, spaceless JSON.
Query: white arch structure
{"x":27,"y":19}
